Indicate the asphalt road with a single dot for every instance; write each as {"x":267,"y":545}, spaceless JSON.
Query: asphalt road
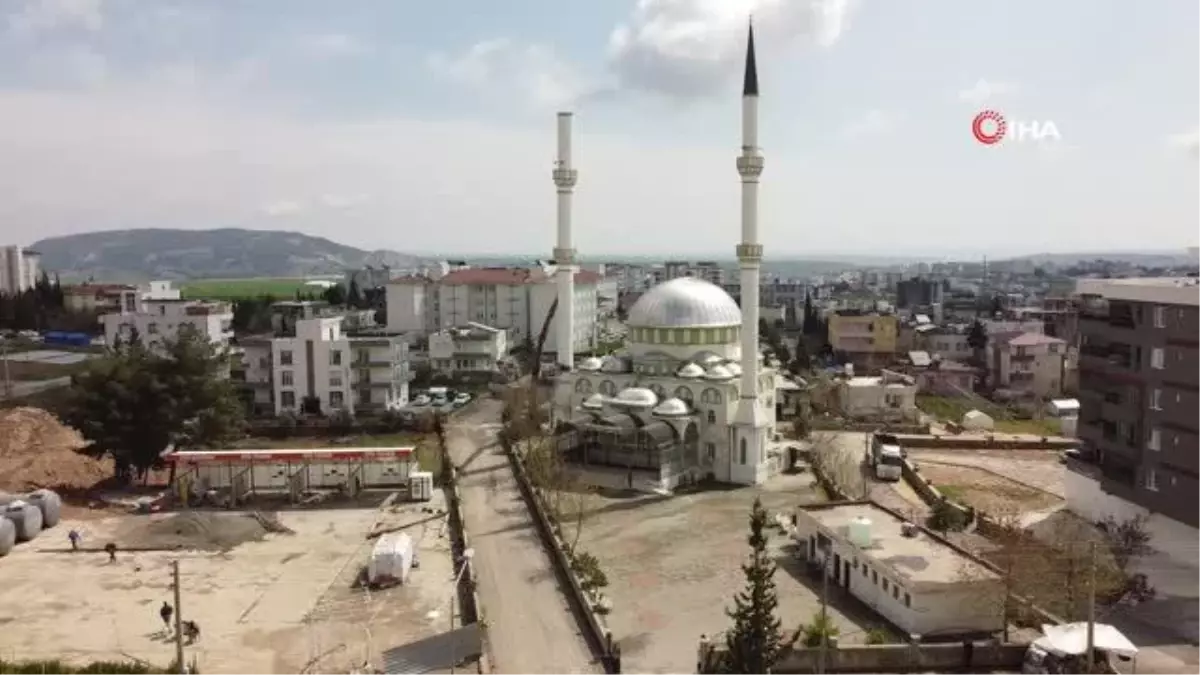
{"x":531,"y":627}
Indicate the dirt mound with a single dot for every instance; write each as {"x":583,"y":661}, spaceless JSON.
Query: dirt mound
{"x":202,"y":531}
{"x":37,"y":451}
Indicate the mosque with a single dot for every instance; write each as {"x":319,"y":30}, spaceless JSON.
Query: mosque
{"x":690,"y":397}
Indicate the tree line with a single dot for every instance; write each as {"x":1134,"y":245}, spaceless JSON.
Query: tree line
{"x":253,"y":314}
{"x":41,"y":307}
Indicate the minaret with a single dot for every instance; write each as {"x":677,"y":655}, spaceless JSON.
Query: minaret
{"x":748,"y":461}
{"x":564,"y":255}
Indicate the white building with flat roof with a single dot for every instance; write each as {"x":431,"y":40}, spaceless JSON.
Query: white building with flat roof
{"x":473,"y":348}
{"x":151,"y":321}
{"x":918,"y":582}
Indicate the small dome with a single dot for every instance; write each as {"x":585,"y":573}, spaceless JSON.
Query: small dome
{"x":711,"y":360}
{"x":686,"y":302}
{"x":613,"y":364}
{"x":691,"y":371}
{"x":734,"y":367}
{"x":636,"y":397}
{"x":718,"y":373}
{"x":590,"y":363}
{"x":672,"y":407}
{"x":593,"y":402}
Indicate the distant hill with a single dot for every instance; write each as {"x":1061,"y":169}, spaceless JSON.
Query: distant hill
{"x":138,"y":255}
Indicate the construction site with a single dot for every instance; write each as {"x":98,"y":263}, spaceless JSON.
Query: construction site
{"x":274,"y":578}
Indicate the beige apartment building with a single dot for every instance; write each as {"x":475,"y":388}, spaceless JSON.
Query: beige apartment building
{"x":1027,"y":365}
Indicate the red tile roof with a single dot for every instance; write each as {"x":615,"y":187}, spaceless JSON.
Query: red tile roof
{"x":410,"y":279}
{"x":511,"y":276}
{"x":97,"y":289}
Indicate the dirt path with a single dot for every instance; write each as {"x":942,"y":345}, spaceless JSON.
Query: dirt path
{"x":530,"y":624}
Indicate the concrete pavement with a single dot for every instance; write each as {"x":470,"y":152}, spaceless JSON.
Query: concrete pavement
{"x":531,"y":627}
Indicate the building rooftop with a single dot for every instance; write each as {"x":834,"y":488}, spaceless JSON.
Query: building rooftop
{"x":921,"y":558}
{"x":1164,"y":290}
{"x":1019,"y":339}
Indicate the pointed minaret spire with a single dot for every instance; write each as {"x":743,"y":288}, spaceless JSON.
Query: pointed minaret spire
{"x":750,"y":80}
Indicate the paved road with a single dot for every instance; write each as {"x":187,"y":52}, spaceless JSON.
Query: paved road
{"x":531,"y":627}
{"x":31,"y":387}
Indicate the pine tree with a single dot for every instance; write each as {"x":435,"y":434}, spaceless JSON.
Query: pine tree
{"x":354,"y":295}
{"x":754,"y":641}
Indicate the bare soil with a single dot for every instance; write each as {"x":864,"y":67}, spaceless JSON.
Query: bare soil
{"x":987,"y":492}
{"x":38,"y":451}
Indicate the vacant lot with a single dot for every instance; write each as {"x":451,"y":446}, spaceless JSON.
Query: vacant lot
{"x":950,"y":409}
{"x":674,"y":565}
{"x":986,"y":491}
{"x":234,"y":289}
{"x":282,"y":604}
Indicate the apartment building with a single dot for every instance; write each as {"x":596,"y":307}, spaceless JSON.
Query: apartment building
{"x":516,"y":300}
{"x":919,"y":292}
{"x":1026,"y":365}
{"x":319,"y":368}
{"x":866,"y":338}
{"x":470,"y":349}
{"x":20,"y":269}
{"x":1138,"y":395}
{"x":783,"y":293}
{"x":153,"y":320}
{"x":100,"y":298}
{"x":709,"y":270}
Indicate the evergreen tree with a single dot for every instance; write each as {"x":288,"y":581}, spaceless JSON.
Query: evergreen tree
{"x":754,"y":641}
{"x":354,"y":295}
{"x":810,"y":317}
{"x":334,"y":295}
{"x":801,"y":360}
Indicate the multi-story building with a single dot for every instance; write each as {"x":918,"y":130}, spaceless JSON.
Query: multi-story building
{"x":788,"y":294}
{"x":919,"y":292}
{"x":317,"y":368}
{"x":867,"y":339}
{"x":1026,"y":365}
{"x":1138,"y":395}
{"x":19,"y":269}
{"x":151,"y":321}
{"x":100,"y":298}
{"x":514,"y":299}
{"x":471,"y":349}
{"x":368,"y":277}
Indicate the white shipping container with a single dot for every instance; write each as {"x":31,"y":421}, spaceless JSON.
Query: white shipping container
{"x":391,"y":559}
{"x":420,"y":486}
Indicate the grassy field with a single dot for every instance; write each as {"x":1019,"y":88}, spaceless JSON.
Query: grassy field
{"x":233,"y":289}
{"x":35,"y":370}
{"x":952,"y":410}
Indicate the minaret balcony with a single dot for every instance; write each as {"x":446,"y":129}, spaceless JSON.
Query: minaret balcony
{"x":749,"y":253}
{"x":564,"y":256}
{"x":750,"y":166}
{"x":565,"y":178}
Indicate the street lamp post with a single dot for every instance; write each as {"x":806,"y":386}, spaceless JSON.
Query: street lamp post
{"x":467,"y":554}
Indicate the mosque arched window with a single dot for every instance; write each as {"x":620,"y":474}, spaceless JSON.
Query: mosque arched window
{"x":710,"y":395}
{"x":658,"y":391}
{"x":583,"y":386}
{"x":608,"y":388}
{"x":683,"y":394}
{"x":742,"y":452}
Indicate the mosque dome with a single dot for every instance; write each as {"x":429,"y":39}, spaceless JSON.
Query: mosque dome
{"x":690,"y":371}
{"x":718,"y":373}
{"x":671,"y":407}
{"x":734,"y":367}
{"x":614,"y":364}
{"x":590,"y":363}
{"x":636,"y":397}
{"x":686,"y":302}
{"x":593,"y":402}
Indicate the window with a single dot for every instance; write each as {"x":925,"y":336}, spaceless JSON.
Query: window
{"x":335,"y":379}
{"x":287,"y":399}
{"x":1156,"y":399}
{"x":896,"y":592}
{"x":874,"y":577}
{"x":712,"y":417}
{"x":712,"y":452}
{"x":743,"y":451}
{"x":885,"y":585}
{"x":864,"y":568}
{"x":335,"y":358}
{"x":1155,"y":440}
{"x":907,"y":600}
{"x":1157,"y":358}
{"x":1152,"y":480}
{"x":1160,"y":317}
{"x":287,"y":378}
{"x":285,"y":357}
{"x":152,"y":328}
{"x":336,"y":399}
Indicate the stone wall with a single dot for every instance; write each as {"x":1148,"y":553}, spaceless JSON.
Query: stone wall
{"x":986,"y":442}
{"x":470,"y":609}
{"x":902,"y":658}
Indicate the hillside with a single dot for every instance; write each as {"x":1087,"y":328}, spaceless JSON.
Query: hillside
{"x":136,"y":255}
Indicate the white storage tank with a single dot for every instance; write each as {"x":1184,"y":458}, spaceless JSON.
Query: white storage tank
{"x":26,"y":517}
{"x":420,"y":486}
{"x":49,"y":503}
{"x":391,"y":559}
{"x":8,"y":536}
{"x":860,"y":532}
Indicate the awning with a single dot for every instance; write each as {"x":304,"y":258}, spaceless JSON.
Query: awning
{"x":1071,"y":639}
{"x":439,"y":652}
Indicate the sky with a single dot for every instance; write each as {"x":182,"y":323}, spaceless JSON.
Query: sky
{"x":428,"y":127}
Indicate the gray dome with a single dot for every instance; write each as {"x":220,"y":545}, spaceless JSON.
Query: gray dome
{"x":636,"y":397}
{"x":590,"y":363}
{"x":685,"y":302}
{"x":593,"y":402}
{"x":672,"y":407}
{"x":691,"y":370}
{"x":718,"y":373}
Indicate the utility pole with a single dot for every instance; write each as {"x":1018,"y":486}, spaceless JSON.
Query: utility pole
{"x":823,"y":649}
{"x":178,"y":619}
{"x":7,"y":379}
{"x":1091,"y":620}
{"x":1008,"y":571}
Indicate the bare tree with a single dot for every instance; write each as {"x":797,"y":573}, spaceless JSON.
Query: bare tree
{"x":840,"y":465}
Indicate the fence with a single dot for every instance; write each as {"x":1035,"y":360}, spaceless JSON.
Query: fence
{"x":971,"y":657}
{"x":468,"y":593}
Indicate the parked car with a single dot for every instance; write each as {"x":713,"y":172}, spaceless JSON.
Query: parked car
{"x":421,"y":400}
{"x":462,"y":399}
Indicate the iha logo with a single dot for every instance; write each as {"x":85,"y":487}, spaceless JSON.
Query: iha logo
{"x":990,"y":127}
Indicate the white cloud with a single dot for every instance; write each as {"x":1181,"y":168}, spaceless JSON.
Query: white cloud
{"x":690,"y":48}
{"x":983,"y":91}
{"x":1189,"y":141}
{"x":873,"y":123}
{"x":41,"y":16}
{"x":332,"y":45}
{"x":284,"y":208}
{"x":339,"y":202}
{"x":501,"y":66}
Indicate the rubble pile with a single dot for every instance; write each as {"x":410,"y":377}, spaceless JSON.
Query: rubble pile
{"x":38,"y":451}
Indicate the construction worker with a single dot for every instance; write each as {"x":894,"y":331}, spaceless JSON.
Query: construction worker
{"x":111,"y":549}
{"x":165,"y":612}
{"x":191,"y":631}
{"x":74,"y":537}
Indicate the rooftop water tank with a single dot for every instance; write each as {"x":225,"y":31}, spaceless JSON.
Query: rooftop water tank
{"x":860,"y":532}
{"x":26,"y":517}
{"x":8,"y":536}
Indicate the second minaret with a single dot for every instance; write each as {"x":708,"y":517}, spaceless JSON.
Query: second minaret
{"x":565,"y":177}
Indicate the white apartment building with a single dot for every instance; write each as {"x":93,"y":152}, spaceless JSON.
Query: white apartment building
{"x":474,"y":348}
{"x":321,"y":369}
{"x":513,"y":299}
{"x":153,"y":320}
{"x":919,"y":583}
{"x":1027,"y":364}
{"x":19,"y":269}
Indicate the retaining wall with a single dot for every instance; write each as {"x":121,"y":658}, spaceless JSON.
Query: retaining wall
{"x":470,"y":609}
{"x":972,"y":442}
{"x":949,"y":657}
{"x":598,"y":633}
